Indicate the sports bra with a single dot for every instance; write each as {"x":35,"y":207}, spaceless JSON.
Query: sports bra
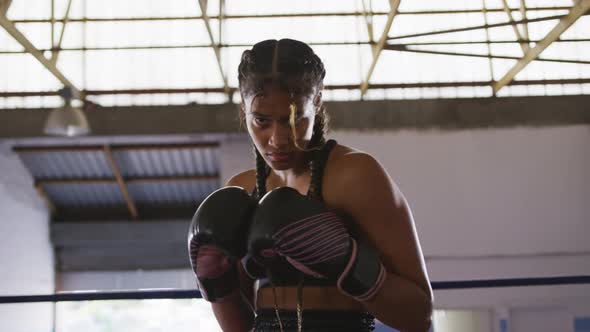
{"x":285,"y":274}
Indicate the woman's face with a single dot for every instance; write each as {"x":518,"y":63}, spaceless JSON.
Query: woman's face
{"x":267,"y":119}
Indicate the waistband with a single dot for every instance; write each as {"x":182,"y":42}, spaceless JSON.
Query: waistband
{"x":314,"y":321}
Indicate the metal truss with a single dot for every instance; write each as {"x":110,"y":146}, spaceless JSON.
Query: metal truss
{"x":214,"y":45}
{"x":400,"y":43}
{"x":393,"y":5}
{"x":579,"y":9}
{"x":50,"y":64}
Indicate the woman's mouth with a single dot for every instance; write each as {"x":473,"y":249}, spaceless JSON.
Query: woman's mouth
{"x":279,"y":156}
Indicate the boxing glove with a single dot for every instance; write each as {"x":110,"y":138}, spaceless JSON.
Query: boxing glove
{"x":315,"y":240}
{"x":217,"y":240}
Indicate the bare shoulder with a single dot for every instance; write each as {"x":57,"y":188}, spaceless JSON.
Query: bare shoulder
{"x":343,"y":155}
{"x":356,"y":182}
{"x":245,"y":179}
{"x":351,"y":168}
{"x":360,"y":187}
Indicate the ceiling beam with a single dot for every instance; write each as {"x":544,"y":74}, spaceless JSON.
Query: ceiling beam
{"x":488,"y":45}
{"x":477,"y":27}
{"x":393,"y":5}
{"x":4,"y":5}
{"x":369,"y":21}
{"x":45,"y":197}
{"x":575,"y":13}
{"x":215,"y":46}
{"x":56,"y":48}
{"x":120,"y":181}
{"x":525,"y":26}
{"x":219,"y":122}
{"x":52,"y":40}
{"x":327,"y":87}
{"x":164,"y":47}
{"x":30,"y":48}
{"x":288,"y":15}
{"x":524,"y":46}
{"x":221,"y":20}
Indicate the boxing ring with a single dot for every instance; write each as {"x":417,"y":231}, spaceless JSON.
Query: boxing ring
{"x":178,"y":294}
{"x":195,"y":294}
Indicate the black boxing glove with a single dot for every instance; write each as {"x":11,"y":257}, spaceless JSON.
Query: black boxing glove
{"x":315,"y":241}
{"x":217,"y":240}
{"x":253,"y":269}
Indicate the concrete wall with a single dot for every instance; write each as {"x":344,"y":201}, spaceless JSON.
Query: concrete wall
{"x":26,"y":255}
{"x":477,"y":193}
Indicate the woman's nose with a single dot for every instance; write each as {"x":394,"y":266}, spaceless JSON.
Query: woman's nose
{"x":281,"y":134}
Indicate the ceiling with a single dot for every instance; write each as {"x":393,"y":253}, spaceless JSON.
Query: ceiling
{"x":125,"y":53}
{"x":122,"y":182}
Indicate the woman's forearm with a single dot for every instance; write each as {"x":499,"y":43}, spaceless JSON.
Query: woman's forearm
{"x":234,"y":313}
{"x":402,"y":305}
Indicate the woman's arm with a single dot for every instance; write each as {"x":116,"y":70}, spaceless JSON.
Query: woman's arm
{"x":236,"y":313}
{"x":364,"y":190}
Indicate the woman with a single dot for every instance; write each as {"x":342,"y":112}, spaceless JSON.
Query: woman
{"x":281,"y":86}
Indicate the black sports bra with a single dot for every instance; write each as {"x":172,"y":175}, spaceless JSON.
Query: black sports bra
{"x":287,"y":275}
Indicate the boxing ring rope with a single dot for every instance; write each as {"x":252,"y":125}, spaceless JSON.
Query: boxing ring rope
{"x":192,"y":294}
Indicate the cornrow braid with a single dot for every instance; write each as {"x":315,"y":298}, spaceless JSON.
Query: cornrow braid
{"x":320,"y":128}
{"x":289,"y":63}
{"x":261,"y":174}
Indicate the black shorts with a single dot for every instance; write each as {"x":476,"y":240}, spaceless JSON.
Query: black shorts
{"x":315,"y":321}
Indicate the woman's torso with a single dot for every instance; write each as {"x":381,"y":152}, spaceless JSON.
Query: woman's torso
{"x":314,"y":296}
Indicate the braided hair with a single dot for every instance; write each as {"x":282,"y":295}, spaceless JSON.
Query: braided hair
{"x":298,"y":70}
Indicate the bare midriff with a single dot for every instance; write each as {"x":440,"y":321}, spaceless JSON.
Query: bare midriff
{"x":313,"y":298}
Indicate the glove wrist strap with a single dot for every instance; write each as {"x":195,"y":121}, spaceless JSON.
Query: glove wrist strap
{"x":215,"y":290}
{"x":364,"y":274}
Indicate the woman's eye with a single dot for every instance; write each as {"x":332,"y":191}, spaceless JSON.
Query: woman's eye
{"x":260,"y":121}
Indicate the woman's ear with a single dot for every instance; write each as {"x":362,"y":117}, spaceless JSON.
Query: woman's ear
{"x":317,"y":100}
